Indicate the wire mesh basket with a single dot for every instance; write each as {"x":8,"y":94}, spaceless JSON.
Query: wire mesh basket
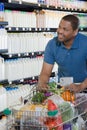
{"x":38,"y":117}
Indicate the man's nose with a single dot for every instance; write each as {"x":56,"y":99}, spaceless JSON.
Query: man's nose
{"x":60,"y":30}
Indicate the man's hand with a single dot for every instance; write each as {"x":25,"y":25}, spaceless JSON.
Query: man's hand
{"x":42,"y":87}
{"x":74,"y":87}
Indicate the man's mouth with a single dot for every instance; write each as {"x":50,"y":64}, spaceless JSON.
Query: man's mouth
{"x":60,"y":37}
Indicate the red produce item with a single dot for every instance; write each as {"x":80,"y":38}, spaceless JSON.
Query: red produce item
{"x":51,"y":106}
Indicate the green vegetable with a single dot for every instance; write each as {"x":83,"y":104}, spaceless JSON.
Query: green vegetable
{"x":75,"y":127}
{"x":54,"y":89}
{"x":38,"y":97}
{"x":52,"y":85}
{"x":67,"y":112}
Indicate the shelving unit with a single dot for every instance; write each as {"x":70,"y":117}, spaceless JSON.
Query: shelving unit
{"x":3,"y":24}
{"x":25,"y":6}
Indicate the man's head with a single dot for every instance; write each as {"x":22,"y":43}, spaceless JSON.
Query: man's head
{"x":73,"y":20}
{"x":68,"y":28}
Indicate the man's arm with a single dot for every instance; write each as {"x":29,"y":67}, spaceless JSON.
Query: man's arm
{"x":45,"y":75}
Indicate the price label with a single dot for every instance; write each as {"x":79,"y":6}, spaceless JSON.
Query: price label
{"x":17,"y":29}
{"x":10,"y":55}
{"x":9,"y":29}
{"x":65,"y":81}
{"x":23,"y":29}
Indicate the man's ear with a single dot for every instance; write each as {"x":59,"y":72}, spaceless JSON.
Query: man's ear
{"x":76,"y":31}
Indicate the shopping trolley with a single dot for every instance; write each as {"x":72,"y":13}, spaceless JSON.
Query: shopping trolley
{"x":40,"y":120}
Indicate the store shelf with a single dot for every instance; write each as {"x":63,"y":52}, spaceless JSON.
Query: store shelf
{"x":27,"y":29}
{"x":24,"y":6}
{"x":4,"y":23}
{"x":29,"y":80}
{"x":3,"y":51}
{"x":83,"y":29}
{"x":62,"y":9}
{"x":22,"y":55}
{"x":3,"y":82}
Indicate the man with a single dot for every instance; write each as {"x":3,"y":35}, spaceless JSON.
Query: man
{"x":69,"y":51}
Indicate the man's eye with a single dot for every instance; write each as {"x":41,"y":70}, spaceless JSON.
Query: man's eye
{"x":66,"y":29}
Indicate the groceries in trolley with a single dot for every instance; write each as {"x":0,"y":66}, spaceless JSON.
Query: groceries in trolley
{"x":51,"y":111}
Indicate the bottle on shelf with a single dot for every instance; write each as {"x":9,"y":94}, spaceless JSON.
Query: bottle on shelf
{"x":1,"y":12}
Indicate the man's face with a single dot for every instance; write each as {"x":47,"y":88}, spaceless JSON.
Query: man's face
{"x":65,"y":31}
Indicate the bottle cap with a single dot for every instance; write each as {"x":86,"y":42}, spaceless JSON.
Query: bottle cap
{"x":7,"y":112}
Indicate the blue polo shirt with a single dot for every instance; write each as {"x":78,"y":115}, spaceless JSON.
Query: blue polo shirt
{"x":71,"y":62}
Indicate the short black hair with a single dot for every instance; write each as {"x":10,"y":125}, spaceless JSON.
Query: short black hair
{"x":74,"y":20}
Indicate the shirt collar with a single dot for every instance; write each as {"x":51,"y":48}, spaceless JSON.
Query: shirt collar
{"x":75,"y":44}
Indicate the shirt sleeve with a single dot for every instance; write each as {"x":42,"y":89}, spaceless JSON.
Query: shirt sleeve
{"x":48,"y":54}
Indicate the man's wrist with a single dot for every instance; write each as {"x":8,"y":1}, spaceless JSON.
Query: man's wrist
{"x":84,"y":84}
